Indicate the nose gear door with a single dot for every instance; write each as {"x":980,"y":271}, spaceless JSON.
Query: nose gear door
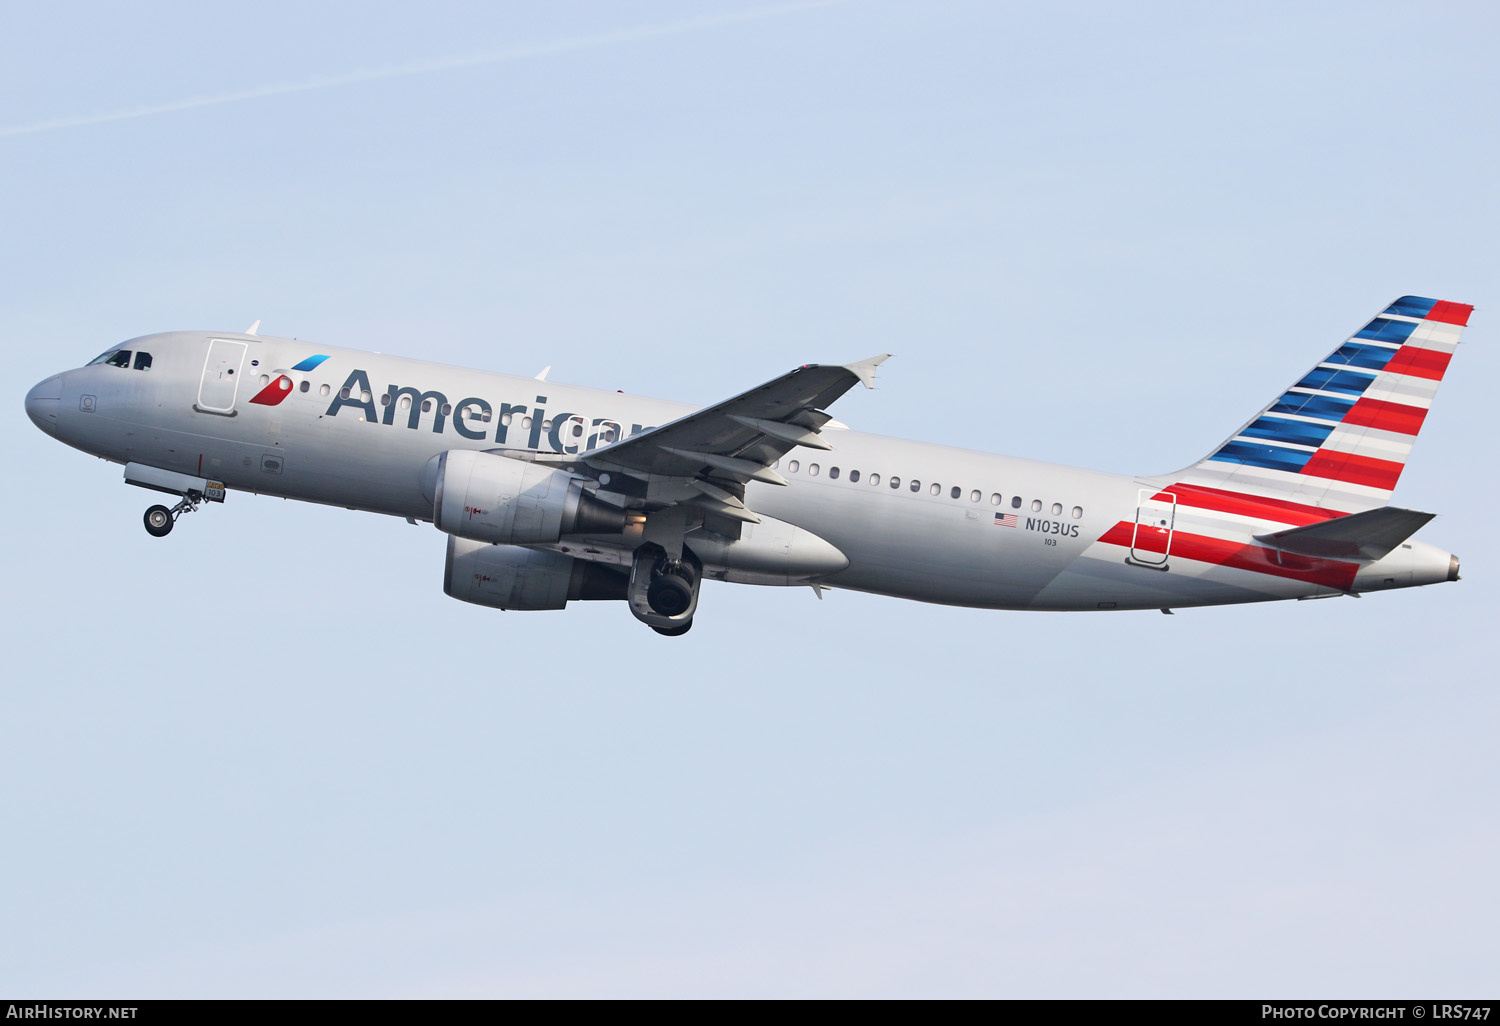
{"x":221,"y":377}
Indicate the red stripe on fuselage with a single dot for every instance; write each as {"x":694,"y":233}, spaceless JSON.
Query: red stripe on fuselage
{"x":1259,"y":507}
{"x":1328,"y":573}
{"x":1419,"y":363}
{"x":1360,"y":470}
{"x":1386,"y":416}
{"x":1450,"y":313}
{"x":273,"y":393}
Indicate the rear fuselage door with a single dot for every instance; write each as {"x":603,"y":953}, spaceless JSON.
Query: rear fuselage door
{"x":221,"y":376}
{"x":1155,"y":513}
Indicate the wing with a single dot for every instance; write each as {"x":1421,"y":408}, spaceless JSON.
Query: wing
{"x":707,"y":457}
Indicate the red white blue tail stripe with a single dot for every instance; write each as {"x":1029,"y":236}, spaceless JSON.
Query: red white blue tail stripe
{"x":1340,"y":436}
{"x":1333,"y":443}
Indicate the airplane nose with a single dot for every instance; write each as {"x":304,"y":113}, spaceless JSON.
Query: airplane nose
{"x":42,"y":403}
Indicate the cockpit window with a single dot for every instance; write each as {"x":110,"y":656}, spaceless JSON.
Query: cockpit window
{"x":121,"y":358}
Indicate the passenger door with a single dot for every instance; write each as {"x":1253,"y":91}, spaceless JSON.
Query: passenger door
{"x":221,"y":377}
{"x":1155,"y":514}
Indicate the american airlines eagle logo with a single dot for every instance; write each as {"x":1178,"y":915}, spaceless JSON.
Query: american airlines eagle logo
{"x":280,"y":385}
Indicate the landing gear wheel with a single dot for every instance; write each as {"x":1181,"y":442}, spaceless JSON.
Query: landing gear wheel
{"x":674,"y":632}
{"x":669,"y":595}
{"x":159,"y":521}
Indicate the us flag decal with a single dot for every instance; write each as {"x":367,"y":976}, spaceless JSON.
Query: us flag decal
{"x":1005,"y":520}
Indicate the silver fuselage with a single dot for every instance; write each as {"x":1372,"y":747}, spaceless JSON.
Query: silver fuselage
{"x":907,"y":535}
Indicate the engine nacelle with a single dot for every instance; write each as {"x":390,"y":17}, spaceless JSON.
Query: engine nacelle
{"x":508,"y":577}
{"x":490,"y":498}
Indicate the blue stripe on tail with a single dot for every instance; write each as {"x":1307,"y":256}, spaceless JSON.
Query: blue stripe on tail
{"x":1359,"y":354}
{"x":1411,"y":306}
{"x":1325,"y":379}
{"x":1294,"y":432}
{"x":1326,"y":407}
{"x":1271,"y":457}
{"x":1382,"y":329}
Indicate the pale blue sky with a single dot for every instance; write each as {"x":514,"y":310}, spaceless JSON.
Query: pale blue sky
{"x":268,"y":757}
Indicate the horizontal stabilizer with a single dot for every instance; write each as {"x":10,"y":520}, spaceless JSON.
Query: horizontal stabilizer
{"x":1364,"y":536}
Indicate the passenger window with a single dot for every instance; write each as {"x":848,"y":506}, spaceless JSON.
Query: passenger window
{"x":812,"y":470}
{"x":995,"y":499}
{"x":447,"y":409}
{"x":364,"y":397}
{"x":957,"y":491}
{"x":1077,"y":512}
{"x":833,"y":473}
{"x":120,"y":359}
{"x":344,"y":392}
{"x":578,"y":429}
{"x":385,"y":400}
{"x":305,"y":385}
{"x":142,"y":361}
{"x":265,"y":379}
{"x":874,"y":479}
{"x":936,"y":489}
{"x":916,"y":486}
{"x":1015,"y":502}
{"x":895,"y":482}
{"x":775,"y":464}
{"x":791,"y":468}
{"x":323,"y":391}
{"x":1057,"y":509}
{"x":854,"y":476}
{"x":1036,"y":505}
{"x":974,"y":495}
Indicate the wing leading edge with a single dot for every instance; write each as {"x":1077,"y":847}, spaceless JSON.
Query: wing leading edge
{"x":714,"y":452}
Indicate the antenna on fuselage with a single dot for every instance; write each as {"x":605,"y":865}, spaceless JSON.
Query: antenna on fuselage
{"x":252,"y":329}
{"x":545,"y":371}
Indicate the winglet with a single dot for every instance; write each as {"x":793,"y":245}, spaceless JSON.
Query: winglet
{"x":253,"y":328}
{"x":864,"y":370}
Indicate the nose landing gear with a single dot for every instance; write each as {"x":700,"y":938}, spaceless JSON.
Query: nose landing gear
{"x":192,"y":491}
{"x":159,"y":520}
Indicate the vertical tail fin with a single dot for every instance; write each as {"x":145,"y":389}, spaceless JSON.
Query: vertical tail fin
{"x":1339,"y":438}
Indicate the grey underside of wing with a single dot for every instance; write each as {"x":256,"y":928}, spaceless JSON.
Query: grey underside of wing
{"x":731,"y":440}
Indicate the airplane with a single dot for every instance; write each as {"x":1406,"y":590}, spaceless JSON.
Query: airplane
{"x":550,"y":493}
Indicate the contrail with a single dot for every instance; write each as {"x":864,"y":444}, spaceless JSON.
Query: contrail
{"x":526,"y":51}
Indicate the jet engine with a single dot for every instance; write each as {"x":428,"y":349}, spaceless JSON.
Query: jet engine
{"x":509,"y":577}
{"x":490,"y":498}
